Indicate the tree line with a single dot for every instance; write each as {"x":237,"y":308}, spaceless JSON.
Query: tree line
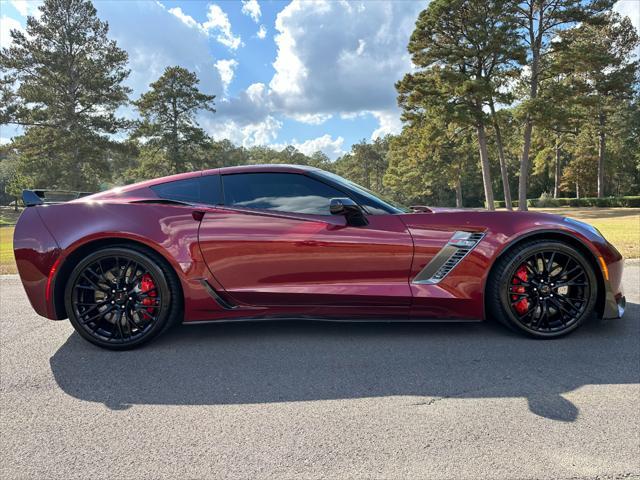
{"x":533,"y":96}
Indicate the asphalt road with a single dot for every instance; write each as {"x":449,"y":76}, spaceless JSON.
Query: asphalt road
{"x":319,"y":400}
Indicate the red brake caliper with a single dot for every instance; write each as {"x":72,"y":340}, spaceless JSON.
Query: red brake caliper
{"x":521,"y":276}
{"x":147,"y":284}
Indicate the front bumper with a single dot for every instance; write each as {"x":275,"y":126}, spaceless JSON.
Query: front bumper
{"x":614,"y":306}
{"x":614,"y":299}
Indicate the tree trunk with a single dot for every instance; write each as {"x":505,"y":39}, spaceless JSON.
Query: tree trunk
{"x":577,"y":190}
{"x":523,"y":184}
{"x":601,"y":154}
{"x":15,"y":206}
{"x":486,"y":172}
{"x":458,"y":193}
{"x":556,"y":180}
{"x":503,"y":162}
{"x":174,"y":149}
{"x":367,"y":175}
{"x":524,"y":166}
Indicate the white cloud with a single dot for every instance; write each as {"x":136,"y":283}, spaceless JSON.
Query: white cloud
{"x":188,"y":20}
{"x":164,"y":41}
{"x":388,"y":121}
{"x":262,"y":32}
{"x":256,"y":92}
{"x":312,"y":119}
{"x":326,"y":144}
{"x":225,"y":69}
{"x":218,"y":21}
{"x":630,"y":8}
{"x":252,"y":9}
{"x":6,"y":25}
{"x":248,"y":135}
{"x":352,"y":115}
{"x":27,"y":7}
{"x":342,"y":57}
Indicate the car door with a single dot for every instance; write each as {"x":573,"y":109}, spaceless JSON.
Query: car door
{"x":274,"y":242}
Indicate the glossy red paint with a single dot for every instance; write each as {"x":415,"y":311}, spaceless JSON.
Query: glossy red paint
{"x":292,"y":259}
{"x":267,"y":264}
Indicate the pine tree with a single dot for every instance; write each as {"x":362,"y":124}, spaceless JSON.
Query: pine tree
{"x":168,"y":127}
{"x":62,"y":81}
{"x":539,"y":22}
{"x":600,"y":60}
{"x":465,"y":51}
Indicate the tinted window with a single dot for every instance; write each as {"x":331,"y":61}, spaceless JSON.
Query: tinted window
{"x":205,"y":189}
{"x":286,"y":192}
{"x":374,"y":203}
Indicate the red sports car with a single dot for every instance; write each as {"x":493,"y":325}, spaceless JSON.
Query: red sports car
{"x":278,"y":241}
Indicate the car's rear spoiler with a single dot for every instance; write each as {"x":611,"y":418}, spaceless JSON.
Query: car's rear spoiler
{"x":42,"y":196}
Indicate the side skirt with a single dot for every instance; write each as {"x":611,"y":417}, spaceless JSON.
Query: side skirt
{"x":335,"y":320}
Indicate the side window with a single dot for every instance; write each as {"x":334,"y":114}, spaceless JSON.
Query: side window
{"x":210,"y":189}
{"x":205,"y":189}
{"x":285,"y":192}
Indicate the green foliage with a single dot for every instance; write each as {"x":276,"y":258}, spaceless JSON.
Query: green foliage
{"x":62,"y":81}
{"x":577,"y":103}
{"x":632,"y":201}
{"x":168,"y":128}
{"x":466,"y":53}
{"x":366,"y":164}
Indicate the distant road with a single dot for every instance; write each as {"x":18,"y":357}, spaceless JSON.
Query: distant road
{"x":319,"y":400}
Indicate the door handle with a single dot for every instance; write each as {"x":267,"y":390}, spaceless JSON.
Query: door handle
{"x":308,"y":243}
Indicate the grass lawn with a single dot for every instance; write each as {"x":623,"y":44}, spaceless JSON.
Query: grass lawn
{"x":8,"y":215}
{"x":621,"y":226}
{"x":7,"y":263}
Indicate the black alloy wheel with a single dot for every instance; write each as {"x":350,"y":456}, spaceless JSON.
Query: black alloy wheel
{"x":119,"y":298}
{"x":545,"y":289}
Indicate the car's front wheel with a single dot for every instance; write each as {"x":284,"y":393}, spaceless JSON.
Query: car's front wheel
{"x":121,"y":297}
{"x":545,"y":289}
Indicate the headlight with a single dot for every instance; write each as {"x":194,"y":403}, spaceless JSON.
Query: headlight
{"x":584,"y":226}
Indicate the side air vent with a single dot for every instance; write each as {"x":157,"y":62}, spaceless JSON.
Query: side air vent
{"x":458,"y":247}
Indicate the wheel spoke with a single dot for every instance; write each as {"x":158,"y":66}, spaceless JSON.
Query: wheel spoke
{"x":548,"y":292}
{"x":107,"y":301}
{"x":93,"y":284}
{"x":98,"y":315}
{"x":550,"y":264}
{"x":147,"y":293}
{"x":561,"y":308}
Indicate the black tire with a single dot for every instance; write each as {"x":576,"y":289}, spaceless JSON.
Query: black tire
{"x":544,"y":289}
{"x":109,"y":310}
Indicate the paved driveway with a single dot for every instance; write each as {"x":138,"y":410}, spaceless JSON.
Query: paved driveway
{"x":320,"y":400}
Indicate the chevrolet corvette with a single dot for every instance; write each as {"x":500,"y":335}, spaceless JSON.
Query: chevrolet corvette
{"x":291,"y":242}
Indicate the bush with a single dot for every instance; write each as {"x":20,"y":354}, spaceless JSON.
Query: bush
{"x":546,"y":201}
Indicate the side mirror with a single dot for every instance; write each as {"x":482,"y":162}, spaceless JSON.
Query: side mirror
{"x":350,"y":209}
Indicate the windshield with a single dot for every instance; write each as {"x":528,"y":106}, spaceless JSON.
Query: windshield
{"x":384,"y":205}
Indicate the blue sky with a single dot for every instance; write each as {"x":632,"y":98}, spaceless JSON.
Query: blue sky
{"x":319,"y":75}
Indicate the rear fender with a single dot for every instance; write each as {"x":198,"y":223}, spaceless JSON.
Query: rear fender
{"x":37,"y":257}
{"x":169,"y":230}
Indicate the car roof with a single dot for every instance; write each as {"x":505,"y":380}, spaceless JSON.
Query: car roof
{"x":132,"y":189}
{"x":273,"y":167}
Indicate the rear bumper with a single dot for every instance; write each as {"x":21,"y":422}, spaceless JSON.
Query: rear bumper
{"x":36,"y":253}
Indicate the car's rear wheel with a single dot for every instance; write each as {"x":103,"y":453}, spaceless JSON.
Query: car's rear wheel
{"x":121,"y":297}
{"x":545,"y":289}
